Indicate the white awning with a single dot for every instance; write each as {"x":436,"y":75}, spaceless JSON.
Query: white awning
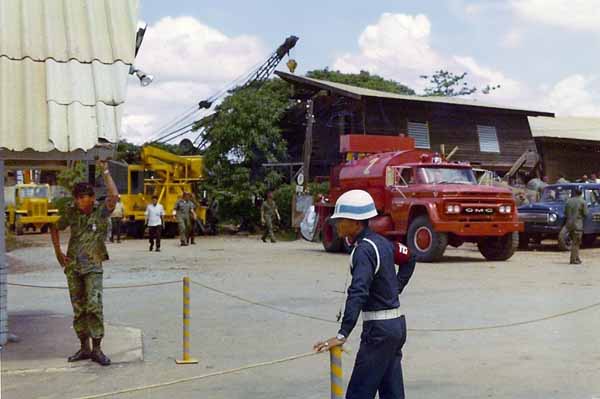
{"x":63,"y":72}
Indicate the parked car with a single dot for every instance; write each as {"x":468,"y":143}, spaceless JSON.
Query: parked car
{"x":546,"y":219}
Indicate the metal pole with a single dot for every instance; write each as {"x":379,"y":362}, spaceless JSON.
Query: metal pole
{"x":337,"y":377}
{"x":187,"y":359}
{"x":310,"y":119}
{"x":3,"y":265}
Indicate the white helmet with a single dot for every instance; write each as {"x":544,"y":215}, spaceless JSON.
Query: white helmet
{"x":356,"y":205}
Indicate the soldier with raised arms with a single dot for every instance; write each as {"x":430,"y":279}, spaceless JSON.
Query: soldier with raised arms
{"x":82,"y":265}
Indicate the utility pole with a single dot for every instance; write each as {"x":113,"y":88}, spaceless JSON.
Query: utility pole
{"x":310,"y":119}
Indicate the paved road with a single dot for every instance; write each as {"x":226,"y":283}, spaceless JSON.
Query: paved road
{"x":558,"y":358}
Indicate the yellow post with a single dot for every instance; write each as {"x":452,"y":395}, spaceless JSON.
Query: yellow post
{"x":337,"y":380}
{"x":186,"y":324}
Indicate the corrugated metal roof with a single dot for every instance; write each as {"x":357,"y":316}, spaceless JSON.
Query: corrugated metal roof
{"x":49,"y":98}
{"x":574,"y":128}
{"x":31,"y":122}
{"x":64,"y":82}
{"x":63,"y":30}
{"x":359,"y":92}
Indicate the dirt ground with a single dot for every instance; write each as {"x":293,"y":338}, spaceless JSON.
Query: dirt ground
{"x":554,"y":358}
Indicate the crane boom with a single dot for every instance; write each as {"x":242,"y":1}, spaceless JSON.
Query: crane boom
{"x":257,"y":75}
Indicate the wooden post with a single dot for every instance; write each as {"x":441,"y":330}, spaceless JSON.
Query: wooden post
{"x":310,"y":119}
{"x":363,"y":104}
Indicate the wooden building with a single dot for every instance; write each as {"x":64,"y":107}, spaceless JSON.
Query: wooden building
{"x":568,"y":146}
{"x":487,"y":136}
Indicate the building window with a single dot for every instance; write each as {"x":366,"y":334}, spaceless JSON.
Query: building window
{"x":488,"y":139}
{"x":420,"y":132}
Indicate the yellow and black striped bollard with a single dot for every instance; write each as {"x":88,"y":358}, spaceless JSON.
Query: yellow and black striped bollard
{"x":187,"y":359}
{"x":337,"y":380}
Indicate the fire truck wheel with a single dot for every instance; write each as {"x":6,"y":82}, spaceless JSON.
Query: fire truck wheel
{"x":427,"y":244}
{"x":499,"y":248}
{"x":564,"y":241}
{"x":44,"y":229}
{"x":330,"y":239}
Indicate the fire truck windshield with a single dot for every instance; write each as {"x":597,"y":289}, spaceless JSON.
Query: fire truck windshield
{"x":433,"y":175}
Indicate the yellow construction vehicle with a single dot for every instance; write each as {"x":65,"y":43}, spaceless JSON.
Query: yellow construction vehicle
{"x":165,"y":175}
{"x":30,"y":208}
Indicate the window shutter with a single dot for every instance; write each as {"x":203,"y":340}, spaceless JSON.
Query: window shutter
{"x":420,"y":132}
{"x":488,"y":139}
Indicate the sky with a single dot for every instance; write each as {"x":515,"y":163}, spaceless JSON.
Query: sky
{"x":543,"y":53}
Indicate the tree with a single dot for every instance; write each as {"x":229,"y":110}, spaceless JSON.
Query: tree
{"x":363,"y":79}
{"x":447,"y":84}
{"x":242,"y":136}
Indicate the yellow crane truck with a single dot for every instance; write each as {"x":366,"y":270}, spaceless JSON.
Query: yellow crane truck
{"x":165,"y":175}
{"x":30,"y":208}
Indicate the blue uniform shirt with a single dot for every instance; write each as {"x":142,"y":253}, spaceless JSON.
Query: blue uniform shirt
{"x":373,"y":288}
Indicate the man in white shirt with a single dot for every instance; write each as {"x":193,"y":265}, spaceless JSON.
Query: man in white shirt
{"x":155,"y":222}
{"x":116,"y":218}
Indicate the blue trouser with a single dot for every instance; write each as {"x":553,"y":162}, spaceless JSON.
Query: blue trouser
{"x":378,"y":362}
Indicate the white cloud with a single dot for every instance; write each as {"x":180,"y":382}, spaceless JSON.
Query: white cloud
{"x":575,"y":95}
{"x":398,"y":47}
{"x":582,"y":15}
{"x":512,"y":39}
{"x":190,"y":61}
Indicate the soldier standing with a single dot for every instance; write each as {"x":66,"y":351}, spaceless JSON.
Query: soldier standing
{"x":374,"y":291}
{"x":267,"y":211}
{"x":184,"y":210}
{"x":575,"y":211}
{"x":88,"y":222}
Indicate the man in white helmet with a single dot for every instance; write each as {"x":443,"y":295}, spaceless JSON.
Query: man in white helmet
{"x":374,"y":291}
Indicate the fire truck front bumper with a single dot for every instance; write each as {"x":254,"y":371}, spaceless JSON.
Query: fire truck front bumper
{"x":473,"y":229}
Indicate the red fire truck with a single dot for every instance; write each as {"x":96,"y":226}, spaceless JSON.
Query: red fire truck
{"x":423,"y":200}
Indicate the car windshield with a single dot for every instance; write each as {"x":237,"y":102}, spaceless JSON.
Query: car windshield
{"x":557,"y":194}
{"x":33,"y":192}
{"x":432,"y":175}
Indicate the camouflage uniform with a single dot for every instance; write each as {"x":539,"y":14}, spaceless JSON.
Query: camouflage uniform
{"x":268,"y":210}
{"x":86,"y":252}
{"x":575,"y":211}
{"x":184,"y":218}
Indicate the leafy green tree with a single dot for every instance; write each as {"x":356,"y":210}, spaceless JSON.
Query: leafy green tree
{"x":127,"y":152}
{"x":447,"y":84}
{"x":70,"y":176}
{"x":243,"y":135}
{"x":363,"y":79}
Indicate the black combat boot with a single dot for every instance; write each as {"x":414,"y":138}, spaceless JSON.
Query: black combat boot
{"x":84,"y":352}
{"x":97,"y":355}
